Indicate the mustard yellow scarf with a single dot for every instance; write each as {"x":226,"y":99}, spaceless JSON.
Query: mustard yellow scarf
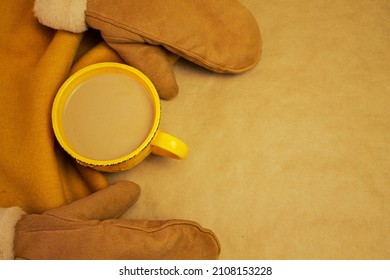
{"x":35,"y":173}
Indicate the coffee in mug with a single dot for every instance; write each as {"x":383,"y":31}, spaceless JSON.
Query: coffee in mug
{"x":107,"y":117}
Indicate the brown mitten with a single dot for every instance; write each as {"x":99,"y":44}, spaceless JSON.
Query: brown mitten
{"x":87,"y":229}
{"x":220,"y":35}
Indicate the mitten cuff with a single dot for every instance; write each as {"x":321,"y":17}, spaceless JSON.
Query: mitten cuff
{"x":62,"y":15}
{"x":8,"y":219}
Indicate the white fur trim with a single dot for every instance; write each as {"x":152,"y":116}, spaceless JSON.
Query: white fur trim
{"x":8,"y":219}
{"x":62,"y":14}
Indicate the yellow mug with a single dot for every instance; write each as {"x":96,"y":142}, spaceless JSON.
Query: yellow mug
{"x":103,"y":107}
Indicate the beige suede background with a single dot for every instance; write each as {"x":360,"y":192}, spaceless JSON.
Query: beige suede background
{"x":290,"y":160}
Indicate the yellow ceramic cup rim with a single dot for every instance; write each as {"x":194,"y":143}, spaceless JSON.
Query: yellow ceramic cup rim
{"x":84,"y":74}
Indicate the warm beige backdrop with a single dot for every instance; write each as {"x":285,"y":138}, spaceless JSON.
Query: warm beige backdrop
{"x":292,"y":159}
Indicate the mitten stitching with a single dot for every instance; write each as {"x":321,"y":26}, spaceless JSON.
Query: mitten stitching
{"x":191,"y":56}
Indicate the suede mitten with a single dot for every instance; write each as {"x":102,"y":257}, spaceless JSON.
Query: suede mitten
{"x":220,"y":35}
{"x":87,"y":229}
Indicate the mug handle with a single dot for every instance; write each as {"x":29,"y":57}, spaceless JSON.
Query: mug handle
{"x":166,"y":145}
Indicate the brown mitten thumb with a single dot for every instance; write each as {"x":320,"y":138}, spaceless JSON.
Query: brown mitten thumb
{"x":108,"y":203}
{"x":85,"y":230}
{"x":154,"y":61}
